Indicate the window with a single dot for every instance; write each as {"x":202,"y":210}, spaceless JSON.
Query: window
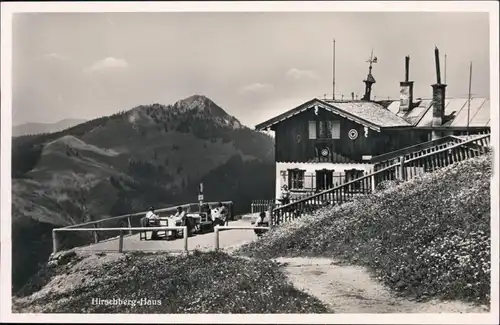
{"x":335,"y":127}
{"x":312,"y":129}
{"x":296,"y":179}
{"x":324,"y":129}
{"x":324,"y":179}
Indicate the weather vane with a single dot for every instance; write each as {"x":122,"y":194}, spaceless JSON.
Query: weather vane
{"x":371,"y":60}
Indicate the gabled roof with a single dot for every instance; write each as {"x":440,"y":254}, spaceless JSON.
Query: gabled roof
{"x":369,"y":114}
{"x":372,"y":112}
{"x":385,"y":114}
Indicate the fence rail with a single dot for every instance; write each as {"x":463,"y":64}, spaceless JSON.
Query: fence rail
{"x":384,"y":158}
{"x":218,"y":228}
{"x":56,"y":243}
{"x":404,"y":168}
{"x":108,"y":227}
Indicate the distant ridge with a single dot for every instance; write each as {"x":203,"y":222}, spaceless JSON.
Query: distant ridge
{"x":38,"y":128}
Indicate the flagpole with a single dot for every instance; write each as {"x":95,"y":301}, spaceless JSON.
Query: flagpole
{"x":445,"y":68}
{"x":333,"y":71}
{"x":468,"y":106}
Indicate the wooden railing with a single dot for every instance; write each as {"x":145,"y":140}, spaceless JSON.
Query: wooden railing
{"x":217,"y":229}
{"x":101,"y":228}
{"x":56,"y":233}
{"x":258,"y":206}
{"x":413,"y":151}
{"x":403,"y":168}
{"x":262,"y":205}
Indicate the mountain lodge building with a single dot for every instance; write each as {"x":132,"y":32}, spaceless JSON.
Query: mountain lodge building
{"x":324,"y":143}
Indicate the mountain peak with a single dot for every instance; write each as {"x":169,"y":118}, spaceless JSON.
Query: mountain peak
{"x":205,"y":106}
{"x":195,"y":101}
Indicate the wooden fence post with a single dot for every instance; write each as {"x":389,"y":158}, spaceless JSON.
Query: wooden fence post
{"x":129,"y":225}
{"x":217,"y":238}
{"x":96,"y":237}
{"x":120,"y":242}
{"x":185,"y":236}
{"x":271,"y":217}
{"x":402,"y":168}
{"x":55,"y":241}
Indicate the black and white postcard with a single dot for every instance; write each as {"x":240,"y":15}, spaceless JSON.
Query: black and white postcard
{"x":246,"y":162}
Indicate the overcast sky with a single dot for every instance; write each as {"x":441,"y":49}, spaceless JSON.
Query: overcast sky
{"x":254,"y":65}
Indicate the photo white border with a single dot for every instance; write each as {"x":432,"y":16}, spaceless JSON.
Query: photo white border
{"x":7,"y":9}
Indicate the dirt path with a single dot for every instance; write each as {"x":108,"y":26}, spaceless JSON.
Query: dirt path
{"x":350,"y":289}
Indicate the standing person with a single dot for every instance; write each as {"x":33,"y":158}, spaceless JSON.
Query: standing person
{"x":262,"y":221}
{"x":151,"y":220}
{"x":285,"y":195}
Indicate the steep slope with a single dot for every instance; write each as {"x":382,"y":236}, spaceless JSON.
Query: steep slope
{"x":38,"y":128}
{"x":149,"y":155}
{"x":429,"y":237}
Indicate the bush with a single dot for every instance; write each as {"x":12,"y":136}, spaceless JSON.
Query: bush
{"x":196,"y":283}
{"x":389,"y":184}
{"x":429,"y":237}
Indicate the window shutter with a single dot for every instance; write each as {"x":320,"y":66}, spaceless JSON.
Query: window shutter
{"x":312,"y":129}
{"x":284,"y":178}
{"x":321,"y":129}
{"x":301,"y":177}
{"x":335,"y":129}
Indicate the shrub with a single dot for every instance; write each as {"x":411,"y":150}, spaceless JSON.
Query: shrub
{"x":429,"y":237}
{"x":388,"y":184}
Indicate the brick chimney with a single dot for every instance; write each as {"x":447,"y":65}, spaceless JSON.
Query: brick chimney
{"x":438,"y":103}
{"x":406,"y":92}
{"x":438,"y":99}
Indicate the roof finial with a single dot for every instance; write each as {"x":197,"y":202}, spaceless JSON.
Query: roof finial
{"x":369,"y":79}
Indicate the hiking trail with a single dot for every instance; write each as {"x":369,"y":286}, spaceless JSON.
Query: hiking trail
{"x":351,"y":289}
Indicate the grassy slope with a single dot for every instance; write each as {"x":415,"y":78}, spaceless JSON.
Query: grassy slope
{"x":197,"y":283}
{"x":429,"y":237}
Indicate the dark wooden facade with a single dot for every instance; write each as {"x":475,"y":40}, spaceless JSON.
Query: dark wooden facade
{"x":293,"y":143}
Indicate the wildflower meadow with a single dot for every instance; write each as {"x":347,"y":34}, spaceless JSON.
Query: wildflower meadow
{"x":426,"y":238}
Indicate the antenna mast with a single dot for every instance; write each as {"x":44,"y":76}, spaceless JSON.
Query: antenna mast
{"x":333,"y":70}
{"x":445,"y":68}
{"x":468,"y":106}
